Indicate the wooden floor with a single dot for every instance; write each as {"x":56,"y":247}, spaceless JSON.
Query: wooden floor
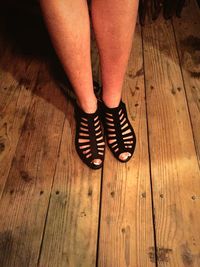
{"x":54,"y":211}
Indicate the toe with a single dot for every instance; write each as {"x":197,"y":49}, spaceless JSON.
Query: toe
{"x":97,"y":162}
{"x":124,"y":156}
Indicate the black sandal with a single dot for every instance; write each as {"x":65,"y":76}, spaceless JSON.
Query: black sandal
{"x":118,"y":129}
{"x":90,"y":130}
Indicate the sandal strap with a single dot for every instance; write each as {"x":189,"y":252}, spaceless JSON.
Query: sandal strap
{"x":89,"y":128}
{"x":115,"y":129}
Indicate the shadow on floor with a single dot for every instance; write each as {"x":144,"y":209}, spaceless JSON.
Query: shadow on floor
{"x":23,"y":29}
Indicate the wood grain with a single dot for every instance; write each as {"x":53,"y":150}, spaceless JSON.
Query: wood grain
{"x":17,"y":81}
{"x":174,"y":165}
{"x":188,"y":40}
{"x":72,"y":224}
{"x":25,"y":197}
{"x":126,"y":229}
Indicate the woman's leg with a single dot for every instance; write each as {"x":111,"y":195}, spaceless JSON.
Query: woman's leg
{"x":114,"y":24}
{"x":69,"y":28}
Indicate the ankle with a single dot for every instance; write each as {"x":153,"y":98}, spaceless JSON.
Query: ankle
{"x":111,"y":102}
{"x":88,"y":106}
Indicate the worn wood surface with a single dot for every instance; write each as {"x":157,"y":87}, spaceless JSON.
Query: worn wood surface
{"x":188,"y":41}
{"x":54,"y":211}
{"x":15,"y":97}
{"x":174,"y":165}
{"x":25,"y":196}
{"x":70,"y":236}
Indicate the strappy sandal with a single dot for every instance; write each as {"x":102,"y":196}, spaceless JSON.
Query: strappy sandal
{"x":89,"y":140}
{"x":118,"y":129}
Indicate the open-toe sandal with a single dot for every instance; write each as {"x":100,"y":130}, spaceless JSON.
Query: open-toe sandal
{"x":119,"y":131}
{"x":89,"y":140}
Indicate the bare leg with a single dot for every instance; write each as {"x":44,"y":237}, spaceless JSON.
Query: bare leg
{"x":114,"y":24}
{"x":68,"y":25}
{"x":69,"y":28}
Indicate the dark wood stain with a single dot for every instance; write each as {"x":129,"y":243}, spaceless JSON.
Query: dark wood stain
{"x":161,"y":252}
{"x":186,"y":255}
{"x":11,"y":191}
{"x":112,"y":193}
{"x":2,"y":147}
{"x":6,"y":242}
{"x":173,"y":91}
{"x":144,"y":195}
{"x":83,"y":214}
{"x":25,"y":81}
{"x":90,"y":192}
{"x":23,"y":111}
{"x":195,"y":74}
{"x":29,"y":124}
{"x":151,"y":254}
{"x":191,"y":47}
{"x":192,"y":43}
{"x":108,"y":219}
{"x":138,"y":73}
{"x":25,"y":176}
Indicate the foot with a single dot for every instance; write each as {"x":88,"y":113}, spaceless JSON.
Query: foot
{"x":120,"y":134}
{"x":90,"y":143}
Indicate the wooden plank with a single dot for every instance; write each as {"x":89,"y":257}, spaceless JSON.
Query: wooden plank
{"x":174,"y":165}
{"x":25,"y":198}
{"x":70,"y":237}
{"x":188,"y":40}
{"x":16,"y":86}
{"x":126,"y":229}
{"x":72,"y":224}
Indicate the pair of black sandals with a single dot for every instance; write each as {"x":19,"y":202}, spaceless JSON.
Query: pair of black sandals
{"x":92,"y":128}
